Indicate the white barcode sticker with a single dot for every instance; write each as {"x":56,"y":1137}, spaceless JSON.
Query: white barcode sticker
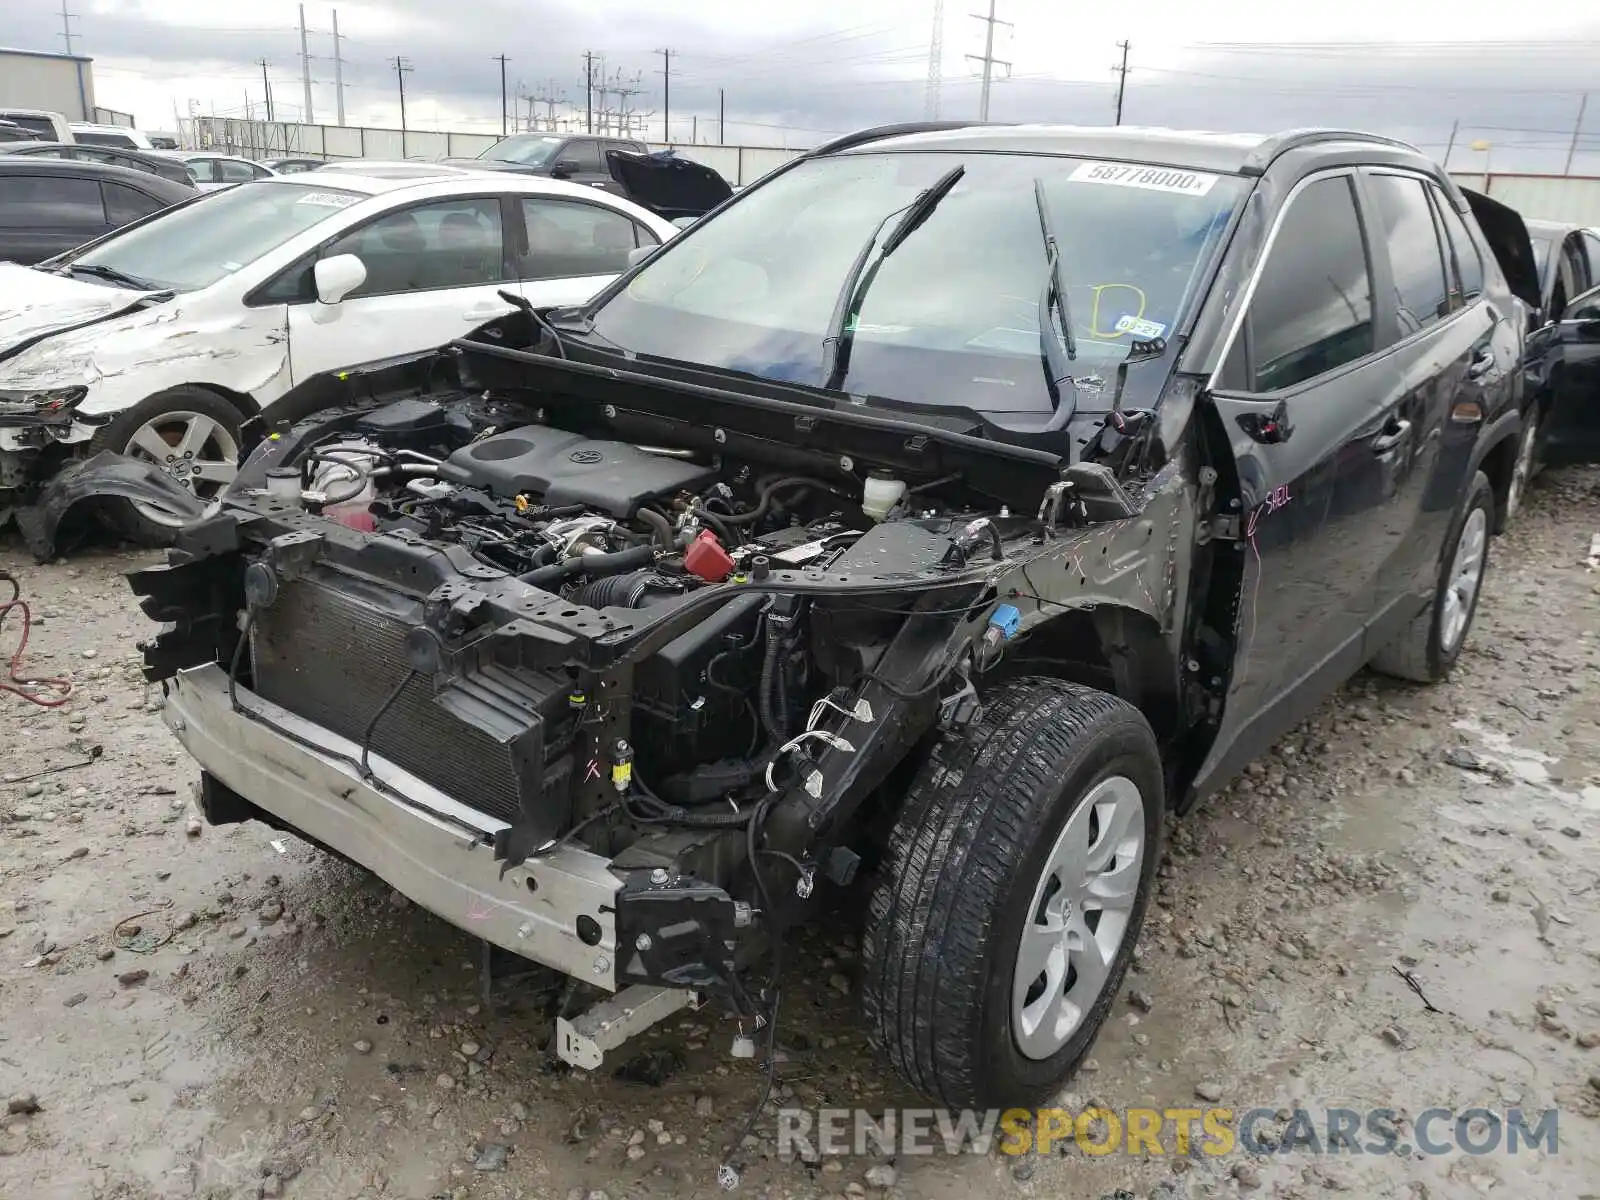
{"x":1153,"y":179}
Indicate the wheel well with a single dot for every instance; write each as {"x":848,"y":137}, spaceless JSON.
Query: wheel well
{"x":1498,"y":462}
{"x":242,"y":401}
{"x":1116,"y":649}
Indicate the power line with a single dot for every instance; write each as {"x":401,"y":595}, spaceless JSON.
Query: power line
{"x":666,"y":95}
{"x":1122,"y":80}
{"x":401,"y":68}
{"x":66,"y":34}
{"x":501,"y":58}
{"x":988,"y":60}
{"x":930,"y":102}
{"x":338,"y":69}
{"x":305,"y":66}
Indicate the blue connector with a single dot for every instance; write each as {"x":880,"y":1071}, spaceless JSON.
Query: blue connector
{"x":1007,"y":620}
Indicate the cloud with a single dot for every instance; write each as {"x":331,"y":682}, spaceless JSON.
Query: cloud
{"x":796,"y":75}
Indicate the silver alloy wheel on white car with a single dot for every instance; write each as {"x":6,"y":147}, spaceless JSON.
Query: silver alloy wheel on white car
{"x":195,"y":451}
{"x":1079,"y":915}
{"x":1466,"y":573}
{"x":1522,"y":469}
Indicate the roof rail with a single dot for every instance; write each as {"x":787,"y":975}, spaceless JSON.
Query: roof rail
{"x":878,"y":132}
{"x":1293,"y":139}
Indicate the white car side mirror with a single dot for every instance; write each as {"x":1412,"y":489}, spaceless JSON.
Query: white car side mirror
{"x":338,"y":276}
{"x":639,"y":253}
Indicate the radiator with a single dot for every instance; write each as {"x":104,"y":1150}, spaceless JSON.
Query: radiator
{"x":333,"y":650}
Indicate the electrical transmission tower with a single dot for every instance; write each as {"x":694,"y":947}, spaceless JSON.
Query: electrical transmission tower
{"x":988,"y":59}
{"x":935,"y":63}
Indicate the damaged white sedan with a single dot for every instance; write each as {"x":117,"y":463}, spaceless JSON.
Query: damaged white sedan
{"x":161,"y":340}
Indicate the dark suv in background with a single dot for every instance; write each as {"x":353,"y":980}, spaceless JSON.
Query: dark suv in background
{"x":676,"y":188}
{"x":956,"y":502}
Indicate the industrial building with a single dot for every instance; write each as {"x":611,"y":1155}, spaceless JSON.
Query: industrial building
{"x":62,"y":83}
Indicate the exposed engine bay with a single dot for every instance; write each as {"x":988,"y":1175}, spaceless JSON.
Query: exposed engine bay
{"x":663,"y":668}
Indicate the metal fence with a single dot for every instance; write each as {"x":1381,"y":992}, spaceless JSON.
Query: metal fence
{"x":739,"y":165}
{"x":1574,"y":198}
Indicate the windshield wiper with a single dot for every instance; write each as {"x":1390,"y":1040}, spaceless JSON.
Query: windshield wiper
{"x":1055,"y":287}
{"x":111,"y":275}
{"x":837,"y":342}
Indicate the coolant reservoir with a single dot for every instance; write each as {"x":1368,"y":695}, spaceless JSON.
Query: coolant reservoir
{"x":883,"y":492}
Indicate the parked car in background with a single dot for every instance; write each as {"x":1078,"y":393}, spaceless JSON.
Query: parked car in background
{"x":120,"y":136}
{"x":390,"y":168}
{"x":1564,"y":345}
{"x":1002,"y":494}
{"x":213,"y":171}
{"x":11,"y":132}
{"x":163,"y":141}
{"x":289,"y":166}
{"x":41,"y":122}
{"x":48,"y":206}
{"x":133,"y":160}
{"x":225,"y":304}
{"x":667,"y":184}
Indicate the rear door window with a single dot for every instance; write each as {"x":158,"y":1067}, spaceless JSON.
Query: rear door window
{"x":125,"y":204}
{"x":1312,"y":308}
{"x":1421,"y":293}
{"x":238,"y":172}
{"x":53,"y":201}
{"x":1464,"y":248}
{"x":569,"y":239}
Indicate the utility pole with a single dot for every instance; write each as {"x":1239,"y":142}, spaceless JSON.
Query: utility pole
{"x":1455,"y":127}
{"x":502,"y":60}
{"x":988,"y":60}
{"x":722,"y":113}
{"x":338,"y":69}
{"x":305,"y":67}
{"x":1577,"y":128}
{"x":694,"y":130}
{"x":549,"y":98}
{"x":930,"y":104}
{"x":588,"y":91}
{"x":400,"y":69}
{"x":66,"y":33}
{"x":1122,"y":80}
{"x":622,"y":91}
{"x":266,"y":85}
{"x":666,"y":96}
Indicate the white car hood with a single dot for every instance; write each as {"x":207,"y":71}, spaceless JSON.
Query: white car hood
{"x":36,"y":304}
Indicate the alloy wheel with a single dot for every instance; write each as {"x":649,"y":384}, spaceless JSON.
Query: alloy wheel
{"x":1080,"y":913}
{"x":194,"y":450}
{"x":1466,"y":573}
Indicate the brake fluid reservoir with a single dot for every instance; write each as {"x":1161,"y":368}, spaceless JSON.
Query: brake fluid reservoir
{"x":883,"y":491}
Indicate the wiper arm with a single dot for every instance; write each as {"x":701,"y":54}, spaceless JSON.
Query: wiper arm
{"x":1054,"y":287}
{"x":111,"y":275}
{"x":841,"y":334}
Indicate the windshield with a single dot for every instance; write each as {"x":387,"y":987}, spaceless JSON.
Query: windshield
{"x":952,"y":316}
{"x":194,"y":246}
{"x":527,"y":149}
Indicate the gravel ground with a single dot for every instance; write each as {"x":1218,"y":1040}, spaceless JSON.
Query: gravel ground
{"x":269,"y":1021}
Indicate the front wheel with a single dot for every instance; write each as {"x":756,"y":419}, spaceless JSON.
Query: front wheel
{"x":190,"y":433}
{"x":1427,"y":648}
{"x":1013,"y":892}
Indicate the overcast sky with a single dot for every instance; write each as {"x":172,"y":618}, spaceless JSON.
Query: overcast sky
{"x":798,"y":74}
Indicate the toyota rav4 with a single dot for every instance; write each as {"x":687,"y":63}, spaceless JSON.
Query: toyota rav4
{"x":954,"y":507}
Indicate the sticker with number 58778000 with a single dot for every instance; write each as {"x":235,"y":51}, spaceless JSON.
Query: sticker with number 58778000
{"x":1154,"y":179}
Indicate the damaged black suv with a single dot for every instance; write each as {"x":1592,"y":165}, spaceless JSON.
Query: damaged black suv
{"x":949,"y":508}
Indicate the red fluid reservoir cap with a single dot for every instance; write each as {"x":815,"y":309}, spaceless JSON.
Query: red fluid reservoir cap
{"x":707,"y":559}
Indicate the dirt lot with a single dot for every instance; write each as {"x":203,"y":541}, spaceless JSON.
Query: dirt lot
{"x":280,"y":1024}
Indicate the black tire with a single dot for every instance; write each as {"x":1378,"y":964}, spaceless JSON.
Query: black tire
{"x":116,"y":437}
{"x":1516,"y":496}
{"x":1419,"y":654}
{"x":946,"y":920}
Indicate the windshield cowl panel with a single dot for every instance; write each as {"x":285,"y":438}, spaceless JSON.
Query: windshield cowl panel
{"x":952,"y":316}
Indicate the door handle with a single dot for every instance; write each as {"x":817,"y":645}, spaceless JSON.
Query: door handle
{"x":1482,"y":363}
{"x":1393,"y":434}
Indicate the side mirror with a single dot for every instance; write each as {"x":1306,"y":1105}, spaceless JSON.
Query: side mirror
{"x":338,"y":276}
{"x":639,"y":253}
{"x":564,"y":169}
